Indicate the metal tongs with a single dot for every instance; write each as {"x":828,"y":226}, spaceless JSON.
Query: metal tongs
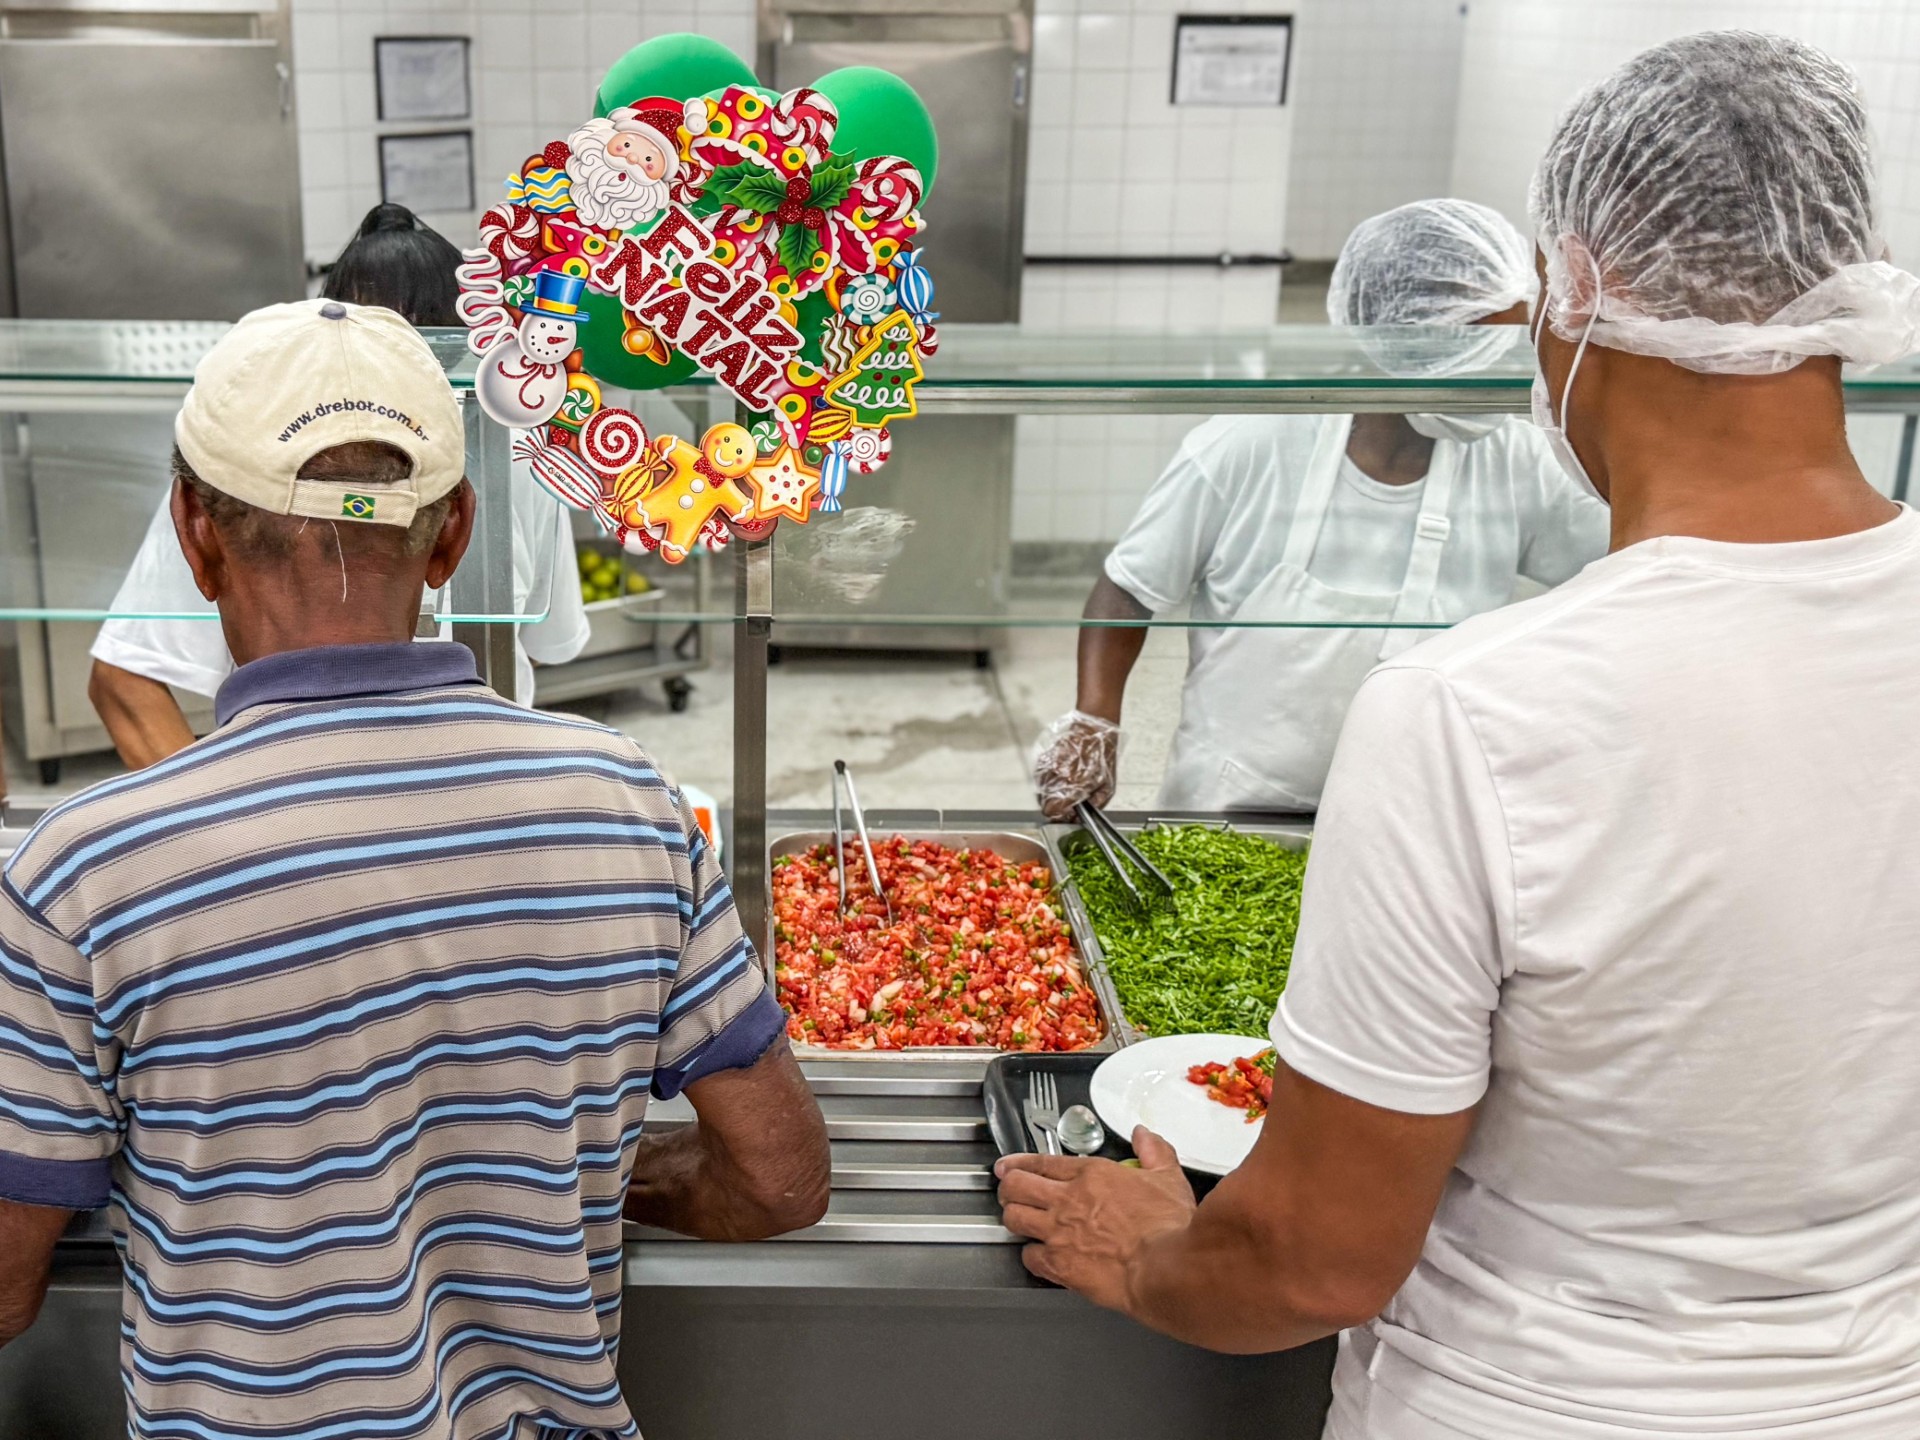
{"x":842,"y":774}
{"x":1113,"y":846}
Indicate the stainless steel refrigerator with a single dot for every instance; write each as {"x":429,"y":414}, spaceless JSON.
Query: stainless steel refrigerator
{"x":149,"y":170}
{"x":952,"y":475}
{"x":151,"y":165}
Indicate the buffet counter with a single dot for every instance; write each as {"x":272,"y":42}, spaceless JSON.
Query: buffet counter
{"x":905,"y":1310}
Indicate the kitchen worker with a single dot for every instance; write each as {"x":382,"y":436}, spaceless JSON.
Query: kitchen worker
{"x":397,"y":262}
{"x":1597,"y":1084}
{"x":354,"y":1007}
{"x":1346,"y":523}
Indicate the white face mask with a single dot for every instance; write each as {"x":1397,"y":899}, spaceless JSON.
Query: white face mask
{"x":1462,"y":429}
{"x":1542,"y":400}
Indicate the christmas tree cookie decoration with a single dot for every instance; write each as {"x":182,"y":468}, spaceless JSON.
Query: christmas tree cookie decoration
{"x":879,"y":387}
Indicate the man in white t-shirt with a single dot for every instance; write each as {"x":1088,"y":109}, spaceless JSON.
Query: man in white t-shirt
{"x":1597,"y":1083}
{"x":136,"y":659}
{"x":1347,"y":530}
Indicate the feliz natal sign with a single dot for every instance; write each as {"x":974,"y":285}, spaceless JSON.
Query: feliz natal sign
{"x":727,"y":323}
{"x":699,"y":222}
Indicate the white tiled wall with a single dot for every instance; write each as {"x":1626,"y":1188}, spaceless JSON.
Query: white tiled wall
{"x":535,"y":66}
{"x":1376,"y":83}
{"x":1115,"y":168}
{"x":1523,"y":61}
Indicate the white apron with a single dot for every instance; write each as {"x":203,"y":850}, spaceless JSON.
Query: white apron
{"x":1262,"y":709}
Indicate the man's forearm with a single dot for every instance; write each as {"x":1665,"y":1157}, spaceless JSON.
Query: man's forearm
{"x":1208,"y":1284}
{"x":28,"y":1234}
{"x":684,"y":1181}
{"x":141,"y":715}
{"x":1108,"y":652}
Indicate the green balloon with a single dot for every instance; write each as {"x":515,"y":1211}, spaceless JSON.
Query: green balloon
{"x":881,"y":114}
{"x":675,"y":66}
{"x":813,"y":310}
{"x":607,"y":358}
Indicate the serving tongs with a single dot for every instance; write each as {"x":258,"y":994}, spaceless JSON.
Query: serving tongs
{"x":842,"y":775}
{"x":1113,"y":846}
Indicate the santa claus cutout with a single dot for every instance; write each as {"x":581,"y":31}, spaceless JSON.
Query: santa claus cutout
{"x":620,"y":168}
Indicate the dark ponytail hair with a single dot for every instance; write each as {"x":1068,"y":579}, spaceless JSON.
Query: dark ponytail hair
{"x":400,"y":263}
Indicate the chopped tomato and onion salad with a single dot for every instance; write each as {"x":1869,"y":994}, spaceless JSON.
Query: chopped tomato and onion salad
{"x":1244,"y":1083}
{"x":978,"y":954}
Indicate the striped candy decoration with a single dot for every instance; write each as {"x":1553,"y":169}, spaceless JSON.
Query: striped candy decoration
{"x":833,"y":478}
{"x":541,"y":187}
{"x":561,"y":473}
{"x":915,"y":288}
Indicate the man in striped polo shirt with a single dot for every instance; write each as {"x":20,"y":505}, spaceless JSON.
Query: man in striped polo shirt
{"x":354,"y":1007}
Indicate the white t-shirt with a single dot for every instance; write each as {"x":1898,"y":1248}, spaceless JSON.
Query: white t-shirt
{"x":192,"y":654}
{"x":1214,"y":525}
{"x":1629,"y":865}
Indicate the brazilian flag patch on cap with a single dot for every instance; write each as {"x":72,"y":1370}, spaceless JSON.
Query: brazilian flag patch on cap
{"x":357,"y":507}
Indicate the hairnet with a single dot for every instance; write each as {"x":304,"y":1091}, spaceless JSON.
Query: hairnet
{"x":1717,"y":191}
{"x":1434,"y":262}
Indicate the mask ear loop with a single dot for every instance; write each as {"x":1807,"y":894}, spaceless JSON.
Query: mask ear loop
{"x":1580,"y":351}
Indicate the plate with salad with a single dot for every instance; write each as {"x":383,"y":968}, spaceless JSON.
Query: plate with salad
{"x":1204,"y":1094}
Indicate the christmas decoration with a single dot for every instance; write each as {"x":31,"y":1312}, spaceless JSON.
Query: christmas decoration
{"x":699,"y":222}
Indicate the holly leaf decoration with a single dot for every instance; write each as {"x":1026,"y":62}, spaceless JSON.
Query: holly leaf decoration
{"x":832,"y":179}
{"x":752,"y":187}
{"x":761,"y":191}
{"x":797,"y":247}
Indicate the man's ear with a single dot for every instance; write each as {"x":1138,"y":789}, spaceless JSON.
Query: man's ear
{"x":199,"y":541}
{"x":455,"y":531}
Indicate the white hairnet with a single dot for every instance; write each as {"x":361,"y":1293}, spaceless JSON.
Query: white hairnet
{"x":1434,"y":262}
{"x":1717,"y":191}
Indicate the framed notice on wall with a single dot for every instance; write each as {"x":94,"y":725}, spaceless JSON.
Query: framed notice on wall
{"x":1231,"y":59}
{"x":422,"y":77}
{"x":430,"y":174}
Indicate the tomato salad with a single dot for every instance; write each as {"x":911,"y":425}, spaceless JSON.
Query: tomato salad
{"x":1246,"y":1084}
{"x":978,"y":954}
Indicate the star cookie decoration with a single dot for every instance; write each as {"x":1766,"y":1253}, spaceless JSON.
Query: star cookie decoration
{"x":782,"y":486}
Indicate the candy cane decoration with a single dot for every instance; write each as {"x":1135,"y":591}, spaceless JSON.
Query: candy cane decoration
{"x":888,"y":188}
{"x":612,"y":440}
{"x":482,"y":306}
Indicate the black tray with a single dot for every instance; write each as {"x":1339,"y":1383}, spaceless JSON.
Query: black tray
{"x":1005,"y":1089}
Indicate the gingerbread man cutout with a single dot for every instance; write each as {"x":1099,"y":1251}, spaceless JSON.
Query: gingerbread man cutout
{"x":700,"y":485}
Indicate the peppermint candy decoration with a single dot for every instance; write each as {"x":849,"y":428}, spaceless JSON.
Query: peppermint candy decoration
{"x":866,"y":299}
{"x":715,"y":534}
{"x":766,"y":436}
{"x":888,"y":188}
{"x":867,"y":450}
{"x":582,"y":402}
{"x":612,"y":440}
{"x":519,"y":291}
{"x":638,"y":542}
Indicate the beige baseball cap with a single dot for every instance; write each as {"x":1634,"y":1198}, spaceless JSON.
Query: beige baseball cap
{"x":289,"y":381}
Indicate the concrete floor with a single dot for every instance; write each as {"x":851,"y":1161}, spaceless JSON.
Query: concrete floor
{"x":919,"y":731}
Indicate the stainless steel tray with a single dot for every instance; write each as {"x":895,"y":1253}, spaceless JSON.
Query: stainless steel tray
{"x":1289,"y":835}
{"x":1024,"y":848}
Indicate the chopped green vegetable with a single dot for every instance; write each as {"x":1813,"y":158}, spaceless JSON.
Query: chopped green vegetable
{"x":1215,"y":957}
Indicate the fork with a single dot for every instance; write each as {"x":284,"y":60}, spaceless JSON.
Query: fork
{"x":1043,"y":1111}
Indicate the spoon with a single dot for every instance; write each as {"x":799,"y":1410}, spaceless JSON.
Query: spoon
{"x":1080,"y":1130}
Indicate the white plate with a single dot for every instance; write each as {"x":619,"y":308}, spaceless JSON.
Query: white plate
{"x":1146,"y":1084}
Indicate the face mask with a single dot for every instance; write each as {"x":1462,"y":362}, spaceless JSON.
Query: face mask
{"x":1461,"y":429}
{"x":1542,"y":400}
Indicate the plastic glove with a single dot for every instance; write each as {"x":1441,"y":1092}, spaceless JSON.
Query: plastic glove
{"x":1078,"y":758}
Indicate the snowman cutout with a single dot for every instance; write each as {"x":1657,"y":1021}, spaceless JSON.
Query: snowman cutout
{"x":523,"y":379}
